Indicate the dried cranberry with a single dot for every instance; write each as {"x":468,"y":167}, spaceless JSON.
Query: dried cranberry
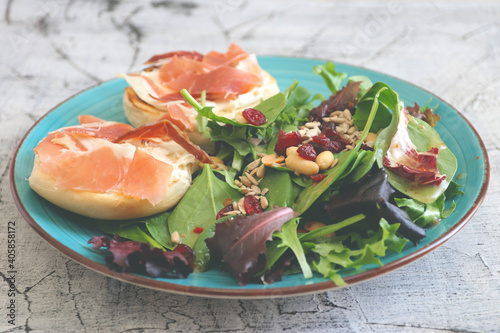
{"x":252,"y":205}
{"x":318,"y":177}
{"x":322,"y":143}
{"x":307,"y":152}
{"x":228,"y":208}
{"x":286,"y":140}
{"x":366,"y":147}
{"x":254,"y":117}
{"x":187,"y":252}
{"x":330,"y":132}
{"x":198,"y":230}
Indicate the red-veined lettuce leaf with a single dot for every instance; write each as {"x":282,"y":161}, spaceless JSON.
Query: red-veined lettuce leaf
{"x":241,"y":242}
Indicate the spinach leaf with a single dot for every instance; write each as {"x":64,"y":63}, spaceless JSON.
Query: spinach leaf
{"x":151,"y":229}
{"x":361,"y":166}
{"x":387,"y":101}
{"x":301,"y":180}
{"x":333,"y":79}
{"x":280,"y":188}
{"x":271,"y":108}
{"x":157,"y":227}
{"x":200,"y":205}
{"x":134,"y":232}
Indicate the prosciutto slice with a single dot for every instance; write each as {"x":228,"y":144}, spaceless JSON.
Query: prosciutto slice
{"x":215,"y":73}
{"x":94,"y":156}
{"x":166,"y":131}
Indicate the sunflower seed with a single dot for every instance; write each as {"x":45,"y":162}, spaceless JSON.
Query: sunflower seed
{"x":263,"y":202}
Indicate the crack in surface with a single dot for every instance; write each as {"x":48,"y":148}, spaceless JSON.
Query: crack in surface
{"x":477,"y":31}
{"x":455,"y":330}
{"x":323,"y":300}
{"x":132,"y":32}
{"x":72,"y":296}
{"x":302,"y":49}
{"x":359,"y":307}
{"x":7,"y":11}
{"x":487,"y":265}
{"x":68,"y":59}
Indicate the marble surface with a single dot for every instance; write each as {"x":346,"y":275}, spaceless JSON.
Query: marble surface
{"x":54,"y":49}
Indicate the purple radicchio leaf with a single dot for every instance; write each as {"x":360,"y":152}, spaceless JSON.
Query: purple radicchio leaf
{"x":137,"y":257}
{"x":426,"y":115}
{"x":403,"y":158}
{"x":241,"y":242}
{"x":346,"y":98}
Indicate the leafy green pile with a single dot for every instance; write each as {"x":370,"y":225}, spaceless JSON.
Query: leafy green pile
{"x":262,"y":247}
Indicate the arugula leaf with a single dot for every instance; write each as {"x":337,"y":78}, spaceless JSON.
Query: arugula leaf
{"x":289,"y":239}
{"x":296,"y":110}
{"x":365,"y":85}
{"x":333,"y":79}
{"x":335,"y":255}
{"x":200,"y":205}
{"x":275,"y":250}
{"x":453,"y":190}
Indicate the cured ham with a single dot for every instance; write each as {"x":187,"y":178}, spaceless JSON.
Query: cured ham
{"x":403,"y":158}
{"x":215,"y":73}
{"x":177,"y":117}
{"x":188,"y":54}
{"x":109,"y":157}
{"x":232,"y":81}
{"x":165,"y":130}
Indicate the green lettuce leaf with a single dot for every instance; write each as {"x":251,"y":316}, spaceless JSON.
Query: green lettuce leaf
{"x":288,"y":236}
{"x":332,"y":78}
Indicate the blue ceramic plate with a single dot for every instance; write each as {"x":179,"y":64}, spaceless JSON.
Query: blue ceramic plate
{"x":67,"y":232}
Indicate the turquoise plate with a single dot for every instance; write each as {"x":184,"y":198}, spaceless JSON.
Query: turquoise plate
{"x":67,"y":232}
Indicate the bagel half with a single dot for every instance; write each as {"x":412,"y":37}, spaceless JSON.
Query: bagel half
{"x":149,"y":97}
{"x":105,"y":170}
{"x":107,"y":206}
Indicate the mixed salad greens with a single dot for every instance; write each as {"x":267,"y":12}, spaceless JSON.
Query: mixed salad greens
{"x":258,"y":218}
